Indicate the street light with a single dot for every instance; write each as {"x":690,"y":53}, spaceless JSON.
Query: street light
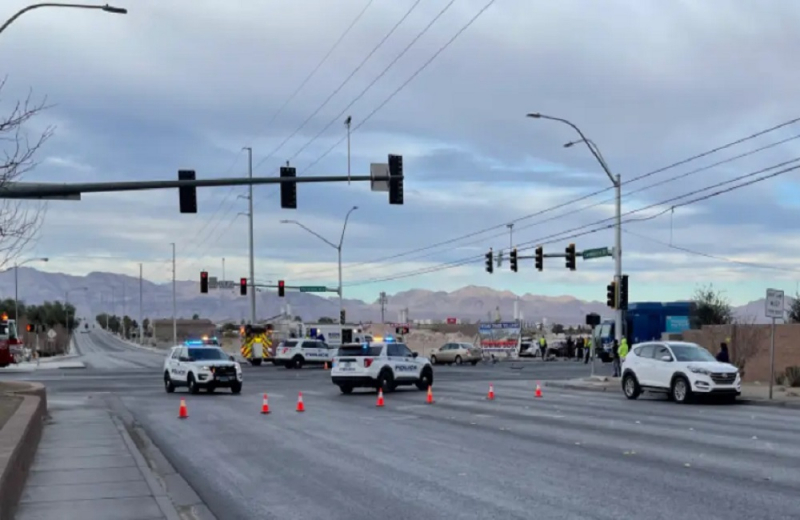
{"x":16,"y":284}
{"x":337,"y":247}
{"x":66,"y":305}
{"x":107,"y":8}
{"x":615,"y":180}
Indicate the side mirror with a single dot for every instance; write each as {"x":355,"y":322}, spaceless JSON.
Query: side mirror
{"x":232,"y":358}
{"x":666,"y":358}
{"x":414,"y":354}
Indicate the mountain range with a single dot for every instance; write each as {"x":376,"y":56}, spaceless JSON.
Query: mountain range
{"x":99,"y":292}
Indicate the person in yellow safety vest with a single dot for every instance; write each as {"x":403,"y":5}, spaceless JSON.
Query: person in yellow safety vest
{"x":587,"y":350}
{"x":623,"y":349}
{"x":543,"y":346}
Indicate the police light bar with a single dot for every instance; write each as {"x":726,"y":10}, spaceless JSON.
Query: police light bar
{"x":193,"y":342}
{"x":388,"y":339}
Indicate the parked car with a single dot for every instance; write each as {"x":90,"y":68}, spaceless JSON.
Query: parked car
{"x":457,"y":353}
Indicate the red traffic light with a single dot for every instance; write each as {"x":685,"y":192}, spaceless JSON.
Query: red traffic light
{"x":203,"y":274}
{"x":281,"y":289}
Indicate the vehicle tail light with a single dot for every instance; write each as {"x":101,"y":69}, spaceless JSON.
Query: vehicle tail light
{"x":367,"y":362}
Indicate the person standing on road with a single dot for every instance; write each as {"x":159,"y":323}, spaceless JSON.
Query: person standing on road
{"x":579,"y":348}
{"x":570,"y":348}
{"x":615,"y":358}
{"x":543,"y":347}
{"x":587,"y":348}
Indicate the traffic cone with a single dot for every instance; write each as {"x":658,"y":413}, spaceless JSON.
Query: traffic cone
{"x":538,"y":390}
{"x":300,"y":406}
{"x":491,"y":392}
{"x":429,"y":400}
{"x":380,"y":397}
{"x":265,"y":405}
{"x":326,"y":366}
{"x":183,"y":413}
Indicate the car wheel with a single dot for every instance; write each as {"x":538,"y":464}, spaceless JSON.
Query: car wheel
{"x":459,"y":360}
{"x":236,"y":388}
{"x":433,"y":360}
{"x":346,"y":389}
{"x":630,"y":386}
{"x":386,"y":381}
{"x":193,"y":388}
{"x":681,"y":392}
{"x":474,"y":363}
{"x":425,"y":379}
{"x":168,"y":386}
{"x":298,"y":362}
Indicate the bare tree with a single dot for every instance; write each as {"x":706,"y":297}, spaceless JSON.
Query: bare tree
{"x":711,"y":307}
{"x":746,"y":340}
{"x":20,"y":220}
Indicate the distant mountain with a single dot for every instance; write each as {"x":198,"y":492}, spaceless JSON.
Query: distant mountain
{"x":756,"y":310}
{"x":98,"y":292}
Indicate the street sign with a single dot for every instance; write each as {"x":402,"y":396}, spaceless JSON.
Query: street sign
{"x":379,"y":173}
{"x":774,"y":304}
{"x":313,"y":288}
{"x":212,"y":282}
{"x":599,"y":252}
{"x":51,"y":334}
{"x":225,"y":284}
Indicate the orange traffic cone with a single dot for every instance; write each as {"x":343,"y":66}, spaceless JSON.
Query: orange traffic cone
{"x":538,"y":390}
{"x":300,"y":406}
{"x":326,"y":366}
{"x":183,"y":412}
{"x":380,"y":397}
{"x":491,"y":392}
{"x":429,"y":400}
{"x":265,"y":405}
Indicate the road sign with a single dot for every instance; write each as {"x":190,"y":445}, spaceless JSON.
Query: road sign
{"x":225,"y":284}
{"x":599,"y":252}
{"x":212,"y":282}
{"x":379,"y":173}
{"x":51,"y":334}
{"x":313,"y":288}
{"x":774,"y":304}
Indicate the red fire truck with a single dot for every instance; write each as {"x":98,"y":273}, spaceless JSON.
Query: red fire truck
{"x":9,"y":341}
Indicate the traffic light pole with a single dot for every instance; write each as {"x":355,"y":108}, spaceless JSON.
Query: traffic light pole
{"x":617,"y":260}
{"x":252,"y":253}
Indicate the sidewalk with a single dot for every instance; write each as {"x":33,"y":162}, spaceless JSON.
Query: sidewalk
{"x":752,"y":393}
{"x":87,"y":467}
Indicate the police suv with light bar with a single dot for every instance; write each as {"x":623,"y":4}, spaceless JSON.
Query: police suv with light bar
{"x":201,"y":364}
{"x":383,"y":363}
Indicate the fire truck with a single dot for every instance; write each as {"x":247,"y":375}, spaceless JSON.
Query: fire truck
{"x":256,"y":343}
{"x":9,"y":341}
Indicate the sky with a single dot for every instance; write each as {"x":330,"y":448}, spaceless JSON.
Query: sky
{"x":187,"y":84}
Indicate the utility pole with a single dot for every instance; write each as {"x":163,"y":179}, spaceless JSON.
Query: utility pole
{"x":174,"y":301}
{"x":383,"y":300}
{"x":222,"y":289}
{"x":124,"y":308}
{"x":252,"y":252}
{"x":347,"y":123}
{"x":141,"y":321}
{"x":510,"y":235}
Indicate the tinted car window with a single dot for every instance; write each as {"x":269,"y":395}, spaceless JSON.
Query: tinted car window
{"x":359,"y":351}
{"x":206,"y":354}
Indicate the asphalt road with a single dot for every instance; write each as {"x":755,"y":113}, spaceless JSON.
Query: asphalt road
{"x":568,"y":455}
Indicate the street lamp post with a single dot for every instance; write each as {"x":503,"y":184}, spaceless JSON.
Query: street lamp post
{"x":616,"y":181}
{"x":16,"y":284}
{"x":107,"y":8}
{"x":338,"y":250}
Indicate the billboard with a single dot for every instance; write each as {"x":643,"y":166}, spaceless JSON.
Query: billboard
{"x":499,"y":337}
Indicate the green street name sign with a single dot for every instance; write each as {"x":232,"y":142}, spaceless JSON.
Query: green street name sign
{"x":313,"y":288}
{"x":596,"y":253}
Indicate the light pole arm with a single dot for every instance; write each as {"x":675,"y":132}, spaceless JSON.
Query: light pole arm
{"x":344,"y":227}
{"x":315,"y":234}
{"x":24,"y":10}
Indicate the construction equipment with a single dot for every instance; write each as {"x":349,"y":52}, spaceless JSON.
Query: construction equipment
{"x":256,"y":344}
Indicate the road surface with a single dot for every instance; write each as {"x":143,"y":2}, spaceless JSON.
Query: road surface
{"x":568,"y":455}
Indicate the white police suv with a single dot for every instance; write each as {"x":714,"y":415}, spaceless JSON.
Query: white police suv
{"x":197,"y":365}
{"x":380,"y":364}
{"x":294,"y":353}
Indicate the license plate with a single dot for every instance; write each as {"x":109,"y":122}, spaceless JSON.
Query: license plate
{"x":223,"y":378}
{"x":347,"y":369}
{"x":347,"y":364}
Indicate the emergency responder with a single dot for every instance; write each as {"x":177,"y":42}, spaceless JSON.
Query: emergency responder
{"x":623,"y":350}
{"x":587,"y":350}
{"x":543,"y":347}
{"x":615,"y":358}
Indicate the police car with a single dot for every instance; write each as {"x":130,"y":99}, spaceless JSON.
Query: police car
{"x":294,"y":353}
{"x":197,"y":364}
{"x":384,"y":364}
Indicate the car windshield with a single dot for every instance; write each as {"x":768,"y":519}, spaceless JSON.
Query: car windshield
{"x":206,"y":354}
{"x":289,"y":343}
{"x":691,"y":353}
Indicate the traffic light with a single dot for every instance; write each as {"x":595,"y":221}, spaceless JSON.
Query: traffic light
{"x":623,"y":292}
{"x":187,"y":195}
{"x":29,"y":327}
{"x":489,"y":264}
{"x":342,"y":318}
{"x":611,"y":295}
{"x":203,"y":282}
{"x":243,"y":286}
{"x":281,"y":289}
{"x":395,"y":179}
{"x":539,"y":258}
{"x":570,"y":252}
{"x":514,"y":259}
{"x":288,"y":189}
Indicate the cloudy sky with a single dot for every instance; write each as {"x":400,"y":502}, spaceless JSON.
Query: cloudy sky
{"x":188,"y":84}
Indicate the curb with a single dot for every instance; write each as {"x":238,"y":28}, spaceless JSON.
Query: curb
{"x":19,"y":439}
{"x":576,"y":386}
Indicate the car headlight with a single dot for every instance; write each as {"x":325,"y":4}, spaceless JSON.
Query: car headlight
{"x":205,"y":368}
{"x":238,"y":367}
{"x":698,"y":370}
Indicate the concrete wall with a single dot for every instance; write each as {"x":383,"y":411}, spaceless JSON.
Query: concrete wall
{"x":751,"y":344}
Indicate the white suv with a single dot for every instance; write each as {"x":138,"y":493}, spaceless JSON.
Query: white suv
{"x":294,"y":353}
{"x":197,"y":367}
{"x":678,"y":369}
{"x":379,"y":365}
